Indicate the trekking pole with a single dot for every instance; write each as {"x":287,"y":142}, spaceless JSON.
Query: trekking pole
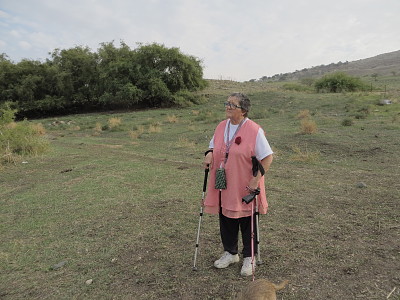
{"x":252,"y":240}
{"x":259,"y":261}
{"x":257,"y":167}
{"x":201,"y":217}
{"x":247,"y":199}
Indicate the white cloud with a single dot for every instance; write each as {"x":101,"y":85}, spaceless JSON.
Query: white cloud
{"x":25,"y":45}
{"x":15,"y":33}
{"x":4,"y":15}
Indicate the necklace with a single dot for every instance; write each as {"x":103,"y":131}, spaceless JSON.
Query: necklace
{"x":230,"y":142}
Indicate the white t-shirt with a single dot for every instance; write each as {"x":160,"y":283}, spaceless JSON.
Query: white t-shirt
{"x":262,"y":149}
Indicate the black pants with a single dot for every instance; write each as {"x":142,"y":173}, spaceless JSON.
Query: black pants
{"x":229,"y":229}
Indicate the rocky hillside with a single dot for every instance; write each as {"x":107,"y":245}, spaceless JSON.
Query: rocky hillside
{"x":383,"y":64}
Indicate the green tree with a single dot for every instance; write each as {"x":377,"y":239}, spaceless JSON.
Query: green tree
{"x":118,"y":74}
{"x":7,"y":77}
{"x":165,"y":71}
{"x":77,"y":76}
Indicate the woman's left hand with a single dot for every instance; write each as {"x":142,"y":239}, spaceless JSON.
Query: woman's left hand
{"x":253,"y":184}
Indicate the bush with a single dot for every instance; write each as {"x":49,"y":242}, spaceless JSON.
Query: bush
{"x":114,"y":123}
{"x":303,"y":114}
{"x":339,"y":82}
{"x":308,"y":126}
{"x":18,"y":139}
{"x":347,"y":122}
{"x":185,"y":98}
{"x":7,"y":114}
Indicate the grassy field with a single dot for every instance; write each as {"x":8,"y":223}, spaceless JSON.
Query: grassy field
{"x":111,"y":211}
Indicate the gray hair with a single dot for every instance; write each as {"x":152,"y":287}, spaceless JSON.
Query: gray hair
{"x":244,"y":102}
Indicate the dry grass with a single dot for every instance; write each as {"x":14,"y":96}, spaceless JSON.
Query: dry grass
{"x":114,"y":122}
{"x":304,"y":155}
{"x":38,"y":128}
{"x":8,"y":156}
{"x":191,"y":127}
{"x":172,"y":119}
{"x":11,"y":125}
{"x":135,"y":134}
{"x":308,"y":126}
{"x":184,"y":142}
{"x":303,"y":114}
{"x":155,"y":128}
{"x":97,"y":129}
{"x":75,"y":128}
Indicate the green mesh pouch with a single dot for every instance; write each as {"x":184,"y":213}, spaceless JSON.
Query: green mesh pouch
{"x":220,"y":179}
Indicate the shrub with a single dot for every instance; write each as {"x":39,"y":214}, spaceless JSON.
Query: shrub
{"x":18,"y":139}
{"x":114,"y":122}
{"x":172,"y":119}
{"x":303,"y":114}
{"x":155,"y":128}
{"x":38,"y":128}
{"x":185,"y":98}
{"x":7,"y":114}
{"x":347,"y":122}
{"x":136,"y":132}
{"x":308,"y":126}
{"x":339,"y":82}
{"x":97,"y":129}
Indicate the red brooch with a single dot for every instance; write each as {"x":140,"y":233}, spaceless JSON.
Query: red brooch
{"x":238,"y":140}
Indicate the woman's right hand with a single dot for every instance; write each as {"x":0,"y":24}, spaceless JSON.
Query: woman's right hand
{"x":208,"y":160}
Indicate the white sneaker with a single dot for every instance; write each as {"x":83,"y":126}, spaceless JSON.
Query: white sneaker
{"x":247,"y":268}
{"x":225,"y":260}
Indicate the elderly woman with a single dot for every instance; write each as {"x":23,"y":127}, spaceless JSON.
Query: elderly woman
{"x":236,"y":140}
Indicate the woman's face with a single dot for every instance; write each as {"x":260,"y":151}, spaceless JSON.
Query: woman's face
{"x":233,"y":113}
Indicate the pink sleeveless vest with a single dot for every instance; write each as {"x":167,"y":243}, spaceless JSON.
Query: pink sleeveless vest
{"x":238,"y":170}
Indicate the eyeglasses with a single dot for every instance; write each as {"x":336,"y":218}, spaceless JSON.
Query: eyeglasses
{"x":231,"y":105}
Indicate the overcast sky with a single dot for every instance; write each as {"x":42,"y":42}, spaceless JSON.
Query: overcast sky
{"x":235,"y":39}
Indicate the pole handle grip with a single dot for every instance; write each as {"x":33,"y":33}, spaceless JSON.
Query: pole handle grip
{"x":205,"y":177}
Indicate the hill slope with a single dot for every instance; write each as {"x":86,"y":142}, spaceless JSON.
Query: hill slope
{"x":383,"y":65}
